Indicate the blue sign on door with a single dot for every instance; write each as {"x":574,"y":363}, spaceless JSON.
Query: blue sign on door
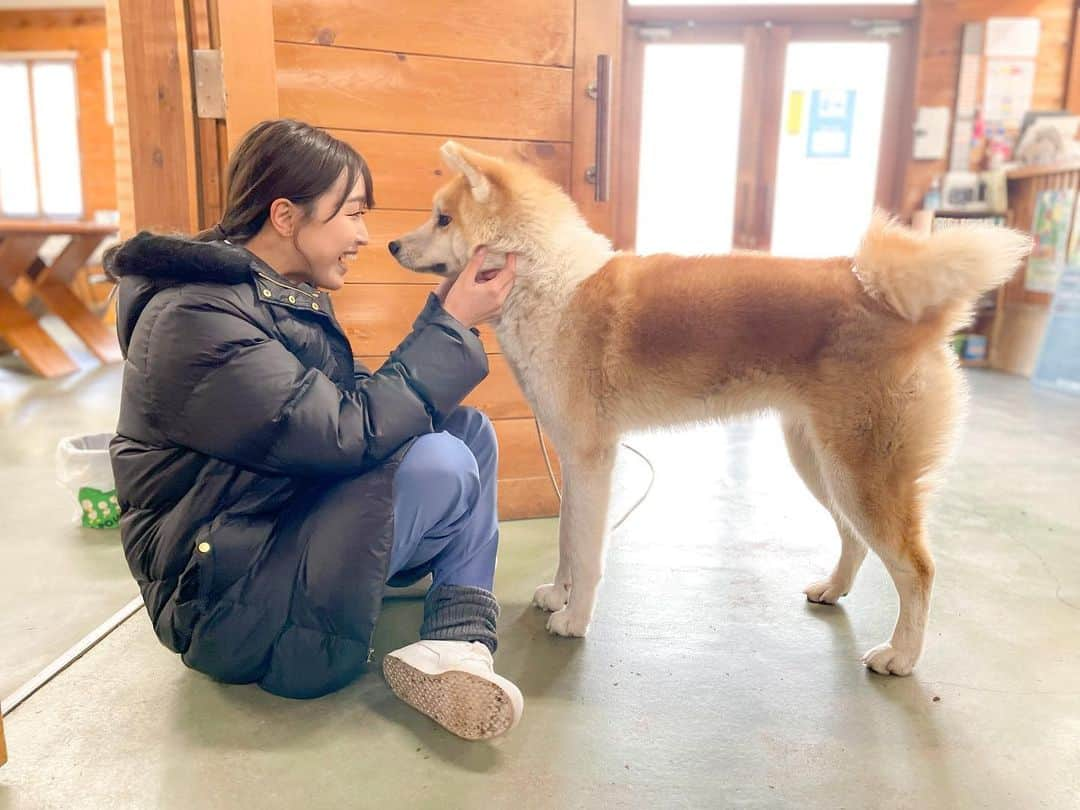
{"x":832,"y":117}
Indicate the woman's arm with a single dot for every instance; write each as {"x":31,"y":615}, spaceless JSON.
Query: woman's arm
{"x":237,"y":394}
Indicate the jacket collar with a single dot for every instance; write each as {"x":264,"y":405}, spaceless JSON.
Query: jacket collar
{"x":273,"y":289}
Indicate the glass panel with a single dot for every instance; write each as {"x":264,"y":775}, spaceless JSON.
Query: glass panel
{"x":18,"y":184}
{"x":830,"y":135}
{"x":689,"y":148}
{"x":56,"y":116}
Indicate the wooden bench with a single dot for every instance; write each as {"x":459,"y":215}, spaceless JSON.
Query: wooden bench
{"x":20,"y":265}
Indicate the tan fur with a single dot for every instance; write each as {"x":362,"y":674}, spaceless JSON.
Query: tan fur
{"x":851,"y":352}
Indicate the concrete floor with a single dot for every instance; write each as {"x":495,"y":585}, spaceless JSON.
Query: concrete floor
{"x":57,"y":580}
{"x":707,"y":679}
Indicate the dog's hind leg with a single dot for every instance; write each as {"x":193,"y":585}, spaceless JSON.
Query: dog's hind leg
{"x":582,"y":536}
{"x":892,"y":524}
{"x":882,"y":498}
{"x":807,"y":463}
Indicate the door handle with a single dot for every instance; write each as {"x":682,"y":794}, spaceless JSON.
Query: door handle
{"x":599,"y":174}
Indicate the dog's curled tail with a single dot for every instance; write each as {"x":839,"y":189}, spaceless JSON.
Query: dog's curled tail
{"x":937,"y":277}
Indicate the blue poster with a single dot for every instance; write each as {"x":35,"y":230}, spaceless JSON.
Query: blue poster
{"x":1059,"y":360}
{"x":832,"y":117}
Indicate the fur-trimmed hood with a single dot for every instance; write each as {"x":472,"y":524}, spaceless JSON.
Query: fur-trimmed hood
{"x":148,"y":263}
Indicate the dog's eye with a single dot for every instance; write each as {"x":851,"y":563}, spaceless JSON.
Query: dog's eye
{"x":444,"y":220}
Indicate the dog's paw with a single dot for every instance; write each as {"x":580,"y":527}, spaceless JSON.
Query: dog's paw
{"x":551,"y":597}
{"x":825,"y":592}
{"x":564,"y":623}
{"x":885,"y":659}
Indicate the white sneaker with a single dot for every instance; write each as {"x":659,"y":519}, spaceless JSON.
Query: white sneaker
{"x":454,"y":683}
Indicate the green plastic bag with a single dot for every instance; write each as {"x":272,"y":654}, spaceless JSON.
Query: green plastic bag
{"x":100,"y":510}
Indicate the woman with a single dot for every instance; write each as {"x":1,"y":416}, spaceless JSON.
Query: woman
{"x":270,"y":485}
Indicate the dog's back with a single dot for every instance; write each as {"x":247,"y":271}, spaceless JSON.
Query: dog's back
{"x":670,"y":327}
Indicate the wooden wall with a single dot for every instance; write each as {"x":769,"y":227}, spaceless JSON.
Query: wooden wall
{"x":941,"y":29}
{"x":81,"y":31}
{"x":398,"y":79}
{"x":125,"y":195}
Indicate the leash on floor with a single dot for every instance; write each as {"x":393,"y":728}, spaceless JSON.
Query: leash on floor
{"x":555,"y":484}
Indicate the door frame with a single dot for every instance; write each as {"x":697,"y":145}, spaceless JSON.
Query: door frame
{"x":762,"y":100}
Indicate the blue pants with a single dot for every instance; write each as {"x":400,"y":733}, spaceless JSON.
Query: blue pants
{"x":445,"y":514}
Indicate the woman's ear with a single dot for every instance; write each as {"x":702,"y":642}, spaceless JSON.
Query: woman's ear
{"x":284,"y":217}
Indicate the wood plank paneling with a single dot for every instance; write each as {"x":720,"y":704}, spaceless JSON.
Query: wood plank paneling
{"x":367,"y":90}
{"x":527,"y":498}
{"x":395,"y":83}
{"x":498,"y":396}
{"x":374,"y":264}
{"x":408,"y":171}
{"x":376,"y":317}
{"x":246,"y":31}
{"x":500,"y":30}
{"x":524,"y":485}
{"x":940,"y":34}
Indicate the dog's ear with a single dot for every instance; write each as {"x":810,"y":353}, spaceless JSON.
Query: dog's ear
{"x":463,"y":160}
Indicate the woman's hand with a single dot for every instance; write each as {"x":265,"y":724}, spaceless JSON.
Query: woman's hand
{"x":477,"y":296}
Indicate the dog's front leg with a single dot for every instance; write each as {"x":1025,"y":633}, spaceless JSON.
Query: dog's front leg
{"x":555,"y":595}
{"x":583,"y":524}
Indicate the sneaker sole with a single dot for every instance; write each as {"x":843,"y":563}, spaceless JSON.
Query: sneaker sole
{"x":466,"y":705}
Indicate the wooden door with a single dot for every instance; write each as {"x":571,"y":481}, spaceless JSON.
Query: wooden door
{"x":509,"y":77}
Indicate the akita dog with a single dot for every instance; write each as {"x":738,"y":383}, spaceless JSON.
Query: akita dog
{"x":852,"y":353}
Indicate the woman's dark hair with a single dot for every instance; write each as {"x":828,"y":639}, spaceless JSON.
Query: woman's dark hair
{"x":284,"y":159}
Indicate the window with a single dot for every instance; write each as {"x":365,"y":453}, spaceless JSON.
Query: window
{"x":40,"y":172}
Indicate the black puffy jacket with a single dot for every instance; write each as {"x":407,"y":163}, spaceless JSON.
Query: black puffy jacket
{"x":254,"y":460}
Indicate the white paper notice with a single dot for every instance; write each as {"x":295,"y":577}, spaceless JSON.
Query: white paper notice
{"x":1012,"y":37}
{"x":931,"y":133}
{"x":1010,"y":84}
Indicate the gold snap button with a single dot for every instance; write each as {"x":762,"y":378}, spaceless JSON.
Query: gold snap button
{"x":204,"y":547}
{"x":315,"y":306}
{"x":267,"y":293}
{"x":292,"y":299}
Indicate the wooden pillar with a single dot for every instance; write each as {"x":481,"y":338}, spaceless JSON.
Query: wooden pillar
{"x":160,"y":114}
{"x":1072,"y":79}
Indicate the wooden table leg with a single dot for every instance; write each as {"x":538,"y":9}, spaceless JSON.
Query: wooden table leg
{"x":93,"y":331}
{"x":3,"y":745}
{"x":51,"y":286}
{"x":20,"y":330}
{"x":18,"y":257}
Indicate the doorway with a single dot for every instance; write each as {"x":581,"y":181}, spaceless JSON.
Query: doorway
{"x":760,"y":135}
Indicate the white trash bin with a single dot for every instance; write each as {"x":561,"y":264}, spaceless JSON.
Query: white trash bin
{"x":83,"y":469}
